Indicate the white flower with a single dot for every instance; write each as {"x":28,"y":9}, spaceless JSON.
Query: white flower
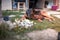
{"x":26,"y":26}
{"x":18,"y":22}
{"x":14,"y":24}
{"x":15,"y":20}
{"x":35,"y":23}
{"x":24,"y":23}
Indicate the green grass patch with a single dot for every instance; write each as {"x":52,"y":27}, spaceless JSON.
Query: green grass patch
{"x":9,"y":34}
{"x":38,"y":26}
{"x":7,"y":13}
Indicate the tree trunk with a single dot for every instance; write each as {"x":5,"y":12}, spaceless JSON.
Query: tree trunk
{"x":0,"y":12}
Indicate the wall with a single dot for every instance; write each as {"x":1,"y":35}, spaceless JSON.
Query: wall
{"x":50,"y":3}
{"x":59,"y":4}
{"x":27,"y":4}
{"x":40,"y":4}
{"x":6,"y":5}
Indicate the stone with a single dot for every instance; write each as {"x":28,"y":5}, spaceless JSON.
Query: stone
{"x":48,"y":34}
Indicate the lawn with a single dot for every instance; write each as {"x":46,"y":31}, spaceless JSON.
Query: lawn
{"x":8,"y":34}
{"x":38,"y":26}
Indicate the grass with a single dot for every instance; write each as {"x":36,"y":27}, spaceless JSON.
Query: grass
{"x":6,"y":13}
{"x":39,"y":26}
{"x":20,"y":31}
{"x":3,"y":31}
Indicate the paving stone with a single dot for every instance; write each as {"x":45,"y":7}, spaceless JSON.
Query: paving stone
{"x":21,"y":15}
{"x":12,"y":15}
{"x":54,"y":13}
{"x":23,"y":12}
{"x":48,"y":34}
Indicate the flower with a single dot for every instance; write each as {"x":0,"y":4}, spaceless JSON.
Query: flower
{"x":24,"y":23}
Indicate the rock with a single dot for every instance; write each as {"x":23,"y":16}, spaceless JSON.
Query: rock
{"x":11,"y":25}
{"x":48,"y":34}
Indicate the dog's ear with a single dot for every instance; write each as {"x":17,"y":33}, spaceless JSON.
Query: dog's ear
{"x":58,"y":35}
